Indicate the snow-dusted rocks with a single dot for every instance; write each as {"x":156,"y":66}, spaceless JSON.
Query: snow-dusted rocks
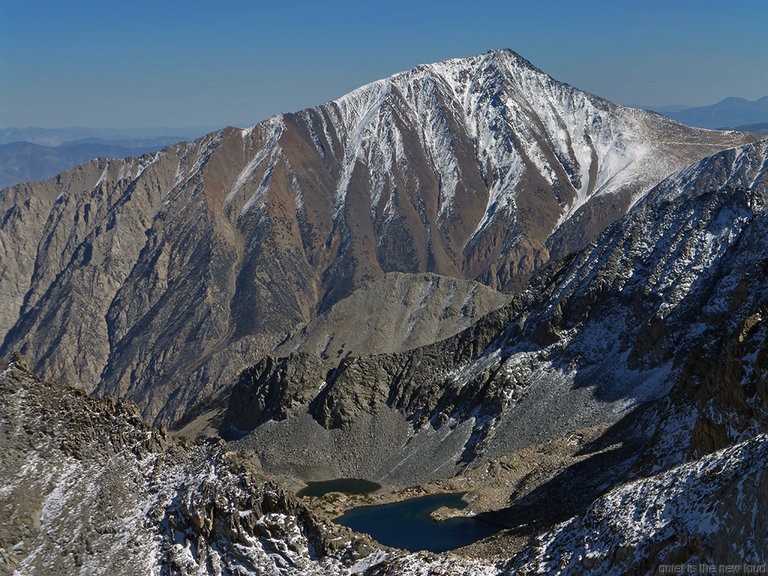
{"x":657,"y":327}
{"x":88,"y":488}
{"x":710,"y":512}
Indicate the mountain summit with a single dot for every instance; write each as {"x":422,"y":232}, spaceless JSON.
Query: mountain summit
{"x":159,"y":278}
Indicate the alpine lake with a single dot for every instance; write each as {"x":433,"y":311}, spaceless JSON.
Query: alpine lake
{"x":407,"y":524}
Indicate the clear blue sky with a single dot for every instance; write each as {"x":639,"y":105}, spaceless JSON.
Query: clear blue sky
{"x":138,"y":63}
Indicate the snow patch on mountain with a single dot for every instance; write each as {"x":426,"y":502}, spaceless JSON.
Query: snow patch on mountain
{"x":274,"y":130}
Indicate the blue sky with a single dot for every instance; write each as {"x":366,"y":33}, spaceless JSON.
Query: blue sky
{"x":205,"y":63}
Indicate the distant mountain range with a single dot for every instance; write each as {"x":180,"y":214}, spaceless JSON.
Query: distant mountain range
{"x":760,"y":128}
{"x":118,"y":136}
{"x":27,"y":162}
{"x":32,"y":154}
{"x":730,"y":113}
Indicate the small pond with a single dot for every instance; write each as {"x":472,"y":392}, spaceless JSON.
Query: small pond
{"x":345,"y":485}
{"x":408,"y":524}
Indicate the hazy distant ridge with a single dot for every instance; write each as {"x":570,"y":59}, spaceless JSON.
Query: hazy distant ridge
{"x":31,"y":154}
{"x":728,"y":113}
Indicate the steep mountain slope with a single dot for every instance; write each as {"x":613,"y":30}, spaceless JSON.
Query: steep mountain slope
{"x":661,"y":320}
{"x":159,"y":278}
{"x":709,"y":512}
{"x":397,"y":312}
{"x":656,"y":305}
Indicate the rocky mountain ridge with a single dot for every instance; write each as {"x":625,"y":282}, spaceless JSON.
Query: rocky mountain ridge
{"x":420,"y":309}
{"x":655,"y":333}
{"x":706,"y":512}
{"x":88,"y":488}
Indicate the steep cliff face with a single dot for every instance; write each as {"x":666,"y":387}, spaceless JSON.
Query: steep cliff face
{"x":159,"y":278}
{"x":721,"y":395}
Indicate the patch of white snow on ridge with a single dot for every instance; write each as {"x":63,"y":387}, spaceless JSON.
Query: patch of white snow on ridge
{"x":259,"y":195}
{"x":103,"y":176}
{"x":369,"y":561}
{"x":435,"y":135}
{"x":515,"y":111}
{"x":358,"y":113}
{"x":274,"y":127}
{"x":200,"y":150}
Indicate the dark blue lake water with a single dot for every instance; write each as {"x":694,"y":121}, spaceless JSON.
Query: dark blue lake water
{"x":346,"y":485}
{"x":408,"y":525}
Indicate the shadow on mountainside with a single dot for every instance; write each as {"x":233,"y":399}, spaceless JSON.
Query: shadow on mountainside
{"x":573,"y":489}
